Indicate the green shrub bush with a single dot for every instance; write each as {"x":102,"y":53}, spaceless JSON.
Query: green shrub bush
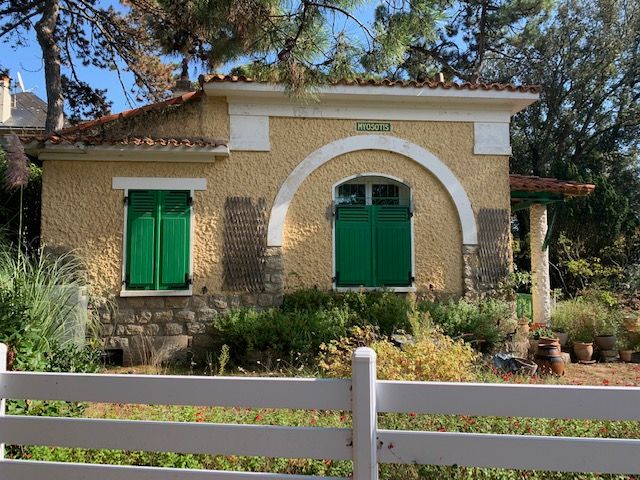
{"x":310,"y":317}
{"x":386,"y":310}
{"x":586,"y":317}
{"x":486,"y":320}
{"x":293,"y":335}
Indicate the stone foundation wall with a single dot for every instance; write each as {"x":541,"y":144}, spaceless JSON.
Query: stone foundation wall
{"x":155,"y":329}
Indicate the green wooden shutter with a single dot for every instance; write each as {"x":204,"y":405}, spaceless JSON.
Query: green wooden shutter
{"x":141,"y":232}
{"x":353,"y":246}
{"x":392,"y":238}
{"x":173,"y":241}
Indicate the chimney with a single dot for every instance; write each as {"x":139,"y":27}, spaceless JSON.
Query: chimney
{"x":182,"y":86}
{"x":5,"y":97}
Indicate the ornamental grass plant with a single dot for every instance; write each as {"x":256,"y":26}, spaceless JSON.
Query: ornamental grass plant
{"x":37,"y":306}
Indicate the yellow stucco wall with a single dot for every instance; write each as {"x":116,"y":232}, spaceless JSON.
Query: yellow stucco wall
{"x":81,"y":211}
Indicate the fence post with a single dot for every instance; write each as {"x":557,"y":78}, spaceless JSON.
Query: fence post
{"x":365,"y":414}
{"x":3,"y":368}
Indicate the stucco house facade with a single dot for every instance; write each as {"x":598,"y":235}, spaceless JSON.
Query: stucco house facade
{"x":238,"y":192}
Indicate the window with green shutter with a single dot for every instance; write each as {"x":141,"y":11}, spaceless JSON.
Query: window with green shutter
{"x":373,"y":238}
{"x":158,"y":240}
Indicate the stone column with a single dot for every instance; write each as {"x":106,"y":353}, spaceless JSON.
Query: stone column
{"x":540,"y":281}
{"x":470,"y":271}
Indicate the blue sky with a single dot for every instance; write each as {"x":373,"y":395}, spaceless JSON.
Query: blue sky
{"x":28,"y":61}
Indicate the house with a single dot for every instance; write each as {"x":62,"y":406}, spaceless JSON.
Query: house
{"x":21,"y":112}
{"x":236,"y":193}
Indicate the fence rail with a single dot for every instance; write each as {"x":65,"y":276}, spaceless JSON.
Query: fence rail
{"x":365,"y":445}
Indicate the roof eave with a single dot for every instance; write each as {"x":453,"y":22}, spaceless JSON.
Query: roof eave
{"x":504,"y":99}
{"x":129,"y":153}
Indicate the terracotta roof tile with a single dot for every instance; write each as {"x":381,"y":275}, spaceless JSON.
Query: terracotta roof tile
{"x":215,"y":78}
{"x":70,"y":139}
{"x":83,"y":127}
{"x":543,"y":184}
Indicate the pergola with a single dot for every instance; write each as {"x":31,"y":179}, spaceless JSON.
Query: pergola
{"x":535,"y":193}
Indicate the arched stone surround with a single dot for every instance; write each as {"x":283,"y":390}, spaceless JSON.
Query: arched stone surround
{"x":457,"y":193}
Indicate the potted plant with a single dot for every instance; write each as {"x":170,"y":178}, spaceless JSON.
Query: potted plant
{"x":607,"y":325}
{"x":540,"y":332}
{"x":625,"y":347}
{"x":560,"y":324}
{"x":582,"y":316}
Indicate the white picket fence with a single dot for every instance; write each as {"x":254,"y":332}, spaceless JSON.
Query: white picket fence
{"x":365,"y":444}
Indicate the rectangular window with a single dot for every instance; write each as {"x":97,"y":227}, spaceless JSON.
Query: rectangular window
{"x":158,"y":240}
{"x":385,"y":194}
{"x":351,"y":194}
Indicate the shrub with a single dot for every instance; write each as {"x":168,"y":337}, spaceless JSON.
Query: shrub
{"x":36,"y":308}
{"x":582,"y":317}
{"x":432,"y":356}
{"x":285,"y":335}
{"x":587,"y":317}
{"x":542,"y":332}
{"x":486,"y":320}
{"x":386,"y":310}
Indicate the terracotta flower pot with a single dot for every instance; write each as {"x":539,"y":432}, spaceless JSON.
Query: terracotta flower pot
{"x":583,"y":351}
{"x":606,"y":342}
{"x":625,"y":355}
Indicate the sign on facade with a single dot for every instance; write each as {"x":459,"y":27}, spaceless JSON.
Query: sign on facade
{"x":373,"y":127}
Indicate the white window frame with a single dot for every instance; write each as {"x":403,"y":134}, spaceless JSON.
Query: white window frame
{"x":157,"y":183}
{"x":369,"y":179}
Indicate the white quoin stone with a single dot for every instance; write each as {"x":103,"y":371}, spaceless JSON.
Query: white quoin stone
{"x":5,"y":98}
{"x":540,"y":280}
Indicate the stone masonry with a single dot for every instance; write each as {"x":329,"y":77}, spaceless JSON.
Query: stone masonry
{"x":155,"y":329}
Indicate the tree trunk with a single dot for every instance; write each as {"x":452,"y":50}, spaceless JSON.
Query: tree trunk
{"x":46,"y":34}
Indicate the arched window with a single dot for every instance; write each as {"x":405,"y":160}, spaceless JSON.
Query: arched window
{"x":373,"y":233}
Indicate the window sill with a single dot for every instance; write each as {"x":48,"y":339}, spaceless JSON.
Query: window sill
{"x":375,"y":289}
{"x":156,"y":293}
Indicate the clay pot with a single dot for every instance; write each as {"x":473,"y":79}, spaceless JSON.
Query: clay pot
{"x":549,"y":341}
{"x":557,"y":366}
{"x":563,"y":338}
{"x":608,"y":356}
{"x":606,"y":342}
{"x":625,"y":355}
{"x":583,"y":351}
{"x":549,"y":359}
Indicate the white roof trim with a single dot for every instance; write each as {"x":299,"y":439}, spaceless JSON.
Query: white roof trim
{"x":505,"y":99}
{"x":129,"y":153}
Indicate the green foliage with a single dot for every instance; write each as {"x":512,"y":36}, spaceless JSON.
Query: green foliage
{"x":386,"y":310}
{"x":587,"y":317}
{"x":586,"y":127}
{"x":543,"y":332}
{"x":36,"y":311}
{"x":486,"y":320}
{"x":289,"y":336}
{"x":309,"y":318}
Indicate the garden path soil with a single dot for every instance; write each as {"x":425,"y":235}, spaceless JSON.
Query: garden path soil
{"x":614,"y":374}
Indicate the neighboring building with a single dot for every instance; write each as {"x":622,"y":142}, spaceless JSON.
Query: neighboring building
{"x":236,"y":193}
{"x":21,"y":112}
